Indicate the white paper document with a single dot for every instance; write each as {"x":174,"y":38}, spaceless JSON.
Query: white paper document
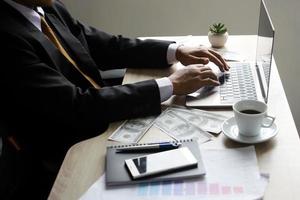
{"x":230,"y":55}
{"x":230,"y":174}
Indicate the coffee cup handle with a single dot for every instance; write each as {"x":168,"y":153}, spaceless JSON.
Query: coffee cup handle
{"x":271,"y":121}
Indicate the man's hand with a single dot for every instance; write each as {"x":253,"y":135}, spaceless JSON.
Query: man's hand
{"x":192,"y":78}
{"x":200,"y":55}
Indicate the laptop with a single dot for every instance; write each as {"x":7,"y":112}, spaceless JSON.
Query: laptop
{"x":245,"y":80}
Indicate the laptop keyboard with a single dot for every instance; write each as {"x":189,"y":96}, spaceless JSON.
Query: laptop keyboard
{"x":238,"y":84}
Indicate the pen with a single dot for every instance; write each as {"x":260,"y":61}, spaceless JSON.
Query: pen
{"x":152,"y":146}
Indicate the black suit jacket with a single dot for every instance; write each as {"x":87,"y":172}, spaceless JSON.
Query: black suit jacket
{"x":46,"y":100}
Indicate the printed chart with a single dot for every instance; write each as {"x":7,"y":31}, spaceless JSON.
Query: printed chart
{"x":181,"y":188}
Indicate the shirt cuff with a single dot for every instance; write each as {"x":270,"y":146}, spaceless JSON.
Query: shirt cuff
{"x":165,"y":88}
{"x":171,"y":53}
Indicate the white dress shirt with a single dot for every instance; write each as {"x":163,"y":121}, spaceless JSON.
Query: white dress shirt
{"x":164,"y":84}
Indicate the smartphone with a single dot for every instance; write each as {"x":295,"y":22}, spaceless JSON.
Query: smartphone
{"x":157,"y":163}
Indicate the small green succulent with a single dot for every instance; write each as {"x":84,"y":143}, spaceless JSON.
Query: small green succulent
{"x":218,"y":28}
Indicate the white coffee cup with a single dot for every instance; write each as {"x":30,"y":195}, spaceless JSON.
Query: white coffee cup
{"x":251,"y":116}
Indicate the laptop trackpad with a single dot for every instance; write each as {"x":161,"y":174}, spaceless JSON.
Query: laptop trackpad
{"x":207,"y":96}
{"x":204,"y":92}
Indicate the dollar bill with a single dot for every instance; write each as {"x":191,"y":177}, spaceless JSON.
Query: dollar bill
{"x":180,"y":129}
{"x":208,"y":121}
{"x":131,"y":131}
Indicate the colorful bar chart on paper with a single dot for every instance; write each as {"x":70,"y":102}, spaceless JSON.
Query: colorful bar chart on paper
{"x":181,"y":188}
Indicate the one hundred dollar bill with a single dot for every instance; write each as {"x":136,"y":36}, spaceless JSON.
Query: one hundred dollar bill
{"x":131,"y":131}
{"x":208,"y":121}
{"x":180,"y":129}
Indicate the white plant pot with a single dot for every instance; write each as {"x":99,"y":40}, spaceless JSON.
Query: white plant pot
{"x":217,"y":40}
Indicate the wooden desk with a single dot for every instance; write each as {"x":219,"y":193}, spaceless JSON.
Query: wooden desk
{"x":84,"y":163}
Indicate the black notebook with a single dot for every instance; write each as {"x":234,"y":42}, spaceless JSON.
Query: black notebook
{"x":117,"y":174}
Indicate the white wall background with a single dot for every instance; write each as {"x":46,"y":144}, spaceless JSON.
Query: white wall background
{"x":192,"y":17}
{"x":166,"y":17}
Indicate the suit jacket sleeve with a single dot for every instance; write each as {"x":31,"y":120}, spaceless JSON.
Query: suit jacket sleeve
{"x":111,"y":51}
{"x":31,"y":87}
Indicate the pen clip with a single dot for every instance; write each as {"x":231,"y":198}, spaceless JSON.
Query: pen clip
{"x":173,"y":144}
{"x":163,"y":146}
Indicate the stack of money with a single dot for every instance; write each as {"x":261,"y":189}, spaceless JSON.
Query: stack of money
{"x":178,"y":122}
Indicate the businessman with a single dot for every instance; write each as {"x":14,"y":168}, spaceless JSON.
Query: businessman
{"x":52,"y":94}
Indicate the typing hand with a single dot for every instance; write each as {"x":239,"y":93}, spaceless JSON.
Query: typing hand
{"x":200,"y":55}
{"x":221,"y":77}
{"x":192,"y":78}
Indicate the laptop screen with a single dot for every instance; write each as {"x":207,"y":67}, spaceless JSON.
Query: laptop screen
{"x":265,"y":42}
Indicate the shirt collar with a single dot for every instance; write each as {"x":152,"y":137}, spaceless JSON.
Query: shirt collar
{"x":30,"y":14}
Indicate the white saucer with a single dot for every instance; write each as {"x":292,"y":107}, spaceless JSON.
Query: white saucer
{"x":230,"y":129}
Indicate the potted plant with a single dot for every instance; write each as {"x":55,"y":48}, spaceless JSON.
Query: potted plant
{"x":217,"y":35}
